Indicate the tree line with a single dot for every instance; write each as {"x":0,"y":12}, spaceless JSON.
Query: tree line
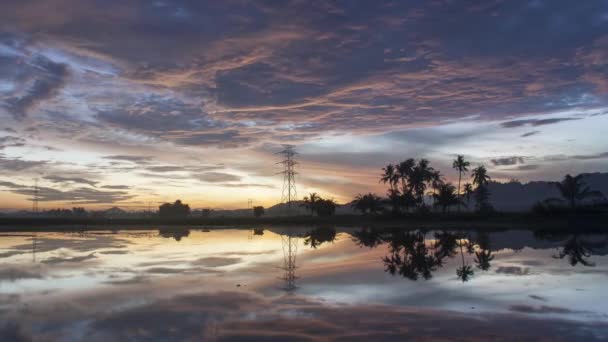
{"x":410,"y":182}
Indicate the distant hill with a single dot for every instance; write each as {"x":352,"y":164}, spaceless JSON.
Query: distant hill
{"x":515,"y":196}
{"x":279,"y":210}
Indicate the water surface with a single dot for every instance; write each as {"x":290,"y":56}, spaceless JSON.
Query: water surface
{"x":302,"y":284}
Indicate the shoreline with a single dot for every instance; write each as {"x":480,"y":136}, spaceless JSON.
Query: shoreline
{"x":456,"y":221}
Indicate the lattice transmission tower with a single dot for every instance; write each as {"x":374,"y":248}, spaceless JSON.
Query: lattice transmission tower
{"x":290,"y":250}
{"x":35,"y":199}
{"x":289,"y":193}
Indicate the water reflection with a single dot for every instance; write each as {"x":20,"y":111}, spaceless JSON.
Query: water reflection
{"x":175,"y":284}
{"x":413,"y":255}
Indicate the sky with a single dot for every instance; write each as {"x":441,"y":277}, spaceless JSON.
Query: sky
{"x":131,"y":103}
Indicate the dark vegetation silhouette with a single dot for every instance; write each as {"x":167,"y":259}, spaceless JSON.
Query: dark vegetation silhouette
{"x":175,"y":233}
{"x":576,"y":248}
{"x":316,"y":237}
{"x":462,"y":166}
{"x":574,"y":193}
{"x":319,"y":206}
{"x":409,"y":180}
{"x":258,"y":211}
{"x":174,"y":210}
{"x":415,"y":255}
{"x":368,"y":204}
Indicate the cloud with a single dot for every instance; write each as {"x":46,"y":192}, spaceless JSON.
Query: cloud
{"x":76,"y":180}
{"x":46,"y":78}
{"x":528,"y":167}
{"x":13,"y":274}
{"x":75,"y":196}
{"x":544,"y":309}
{"x":534,"y":122}
{"x":515,"y":270}
{"x":116,"y":187}
{"x":217,"y":261}
{"x":218,"y":177}
{"x":15,"y":165}
{"x":76,"y":259}
{"x":529,"y":134}
{"x":133,"y":159}
{"x":507,"y":161}
{"x":590,"y":156}
{"x":11,"y":141}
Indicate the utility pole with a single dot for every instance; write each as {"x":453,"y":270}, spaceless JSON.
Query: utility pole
{"x":289,"y":193}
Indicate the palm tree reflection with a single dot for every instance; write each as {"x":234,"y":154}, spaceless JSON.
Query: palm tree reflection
{"x":576,"y":248}
{"x":318,"y":236}
{"x":579,"y":251}
{"x":412,"y":256}
{"x":409,"y":256}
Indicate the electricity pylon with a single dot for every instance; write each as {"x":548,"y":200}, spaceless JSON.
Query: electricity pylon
{"x":290,"y":250}
{"x":289,"y":193}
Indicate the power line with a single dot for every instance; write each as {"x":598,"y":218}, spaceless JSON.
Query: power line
{"x":289,"y":193}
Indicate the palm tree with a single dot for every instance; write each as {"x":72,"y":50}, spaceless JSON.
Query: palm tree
{"x":462,"y":166}
{"x":395,"y":200}
{"x":421,"y":175}
{"x":468,"y":191}
{"x":436,"y":183}
{"x":368,"y":203}
{"x":481,"y":181}
{"x":404,"y":172}
{"x":389,"y":175}
{"x":310,"y":202}
{"x":480,"y":176}
{"x":446,"y":197}
{"x":574,"y":189}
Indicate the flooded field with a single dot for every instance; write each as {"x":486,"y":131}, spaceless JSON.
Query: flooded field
{"x":302,"y":284}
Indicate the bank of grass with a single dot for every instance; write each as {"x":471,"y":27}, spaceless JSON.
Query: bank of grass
{"x":596,"y":221}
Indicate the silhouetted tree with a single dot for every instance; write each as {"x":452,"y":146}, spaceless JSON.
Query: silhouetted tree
{"x":481,"y":180}
{"x":422,"y":174}
{"x":436,"y":183}
{"x":462,"y":166}
{"x":310,"y":202}
{"x":390,"y":176}
{"x":258,"y":211}
{"x":177,"y":209}
{"x":446,"y":197}
{"x":573,"y":189}
{"x":395,"y":200}
{"x":367,"y":204}
{"x":404,"y":172}
{"x":468,"y":192}
{"x":79,"y":211}
{"x":325,"y":207}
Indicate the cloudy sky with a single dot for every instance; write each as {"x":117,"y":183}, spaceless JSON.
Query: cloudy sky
{"x":134,"y":102}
